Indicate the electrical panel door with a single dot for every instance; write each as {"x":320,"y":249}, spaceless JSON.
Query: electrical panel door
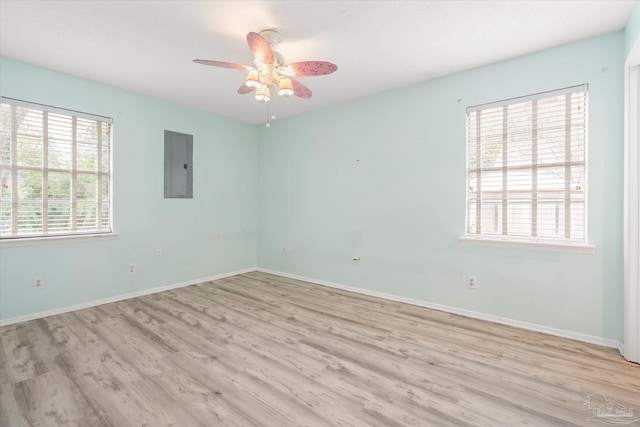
{"x":178,"y":165}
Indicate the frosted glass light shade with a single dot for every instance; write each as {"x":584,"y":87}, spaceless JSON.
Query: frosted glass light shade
{"x":253,"y":79}
{"x":263,"y":94}
{"x":285,"y":88}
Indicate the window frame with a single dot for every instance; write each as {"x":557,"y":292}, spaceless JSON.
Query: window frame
{"x":99,"y":232}
{"x":505,"y":239}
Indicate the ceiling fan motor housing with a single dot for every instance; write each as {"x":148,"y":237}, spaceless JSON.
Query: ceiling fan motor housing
{"x":271,"y":36}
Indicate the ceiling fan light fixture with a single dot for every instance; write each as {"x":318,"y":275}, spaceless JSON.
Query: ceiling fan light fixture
{"x":270,"y":73}
{"x":253,"y":79}
{"x":285,"y":87}
{"x":263,"y":94}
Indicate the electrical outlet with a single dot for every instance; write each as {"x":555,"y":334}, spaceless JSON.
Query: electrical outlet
{"x":158,"y":253}
{"x":471,"y":282}
{"x":37,"y":283}
{"x":132,"y":268}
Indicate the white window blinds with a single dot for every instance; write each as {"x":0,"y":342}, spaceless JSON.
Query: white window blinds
{"x":54,"y":171}
{"x":526,"y":167}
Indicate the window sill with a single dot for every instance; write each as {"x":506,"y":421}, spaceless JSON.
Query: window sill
{"x":528,"y":244}
{"x":33,"y":241}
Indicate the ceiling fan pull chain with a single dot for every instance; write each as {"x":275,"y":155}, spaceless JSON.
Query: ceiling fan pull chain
{"x":273,"y":106}
{"x":268,"y":124}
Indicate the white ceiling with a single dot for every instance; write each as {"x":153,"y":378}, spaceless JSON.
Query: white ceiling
{"x":147,"y":46}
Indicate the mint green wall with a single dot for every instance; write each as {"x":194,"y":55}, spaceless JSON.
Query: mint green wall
{"x":383,"y":178}
{"x":632,"y":30}
{"x":213,"y":233}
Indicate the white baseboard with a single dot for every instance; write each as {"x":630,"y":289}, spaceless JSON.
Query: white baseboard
{"x":52,"y":312}
{"x":592,"y":339}
{"x":455,"y":310}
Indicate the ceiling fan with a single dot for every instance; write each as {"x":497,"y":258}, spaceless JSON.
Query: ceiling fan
{"x":269,"y":72}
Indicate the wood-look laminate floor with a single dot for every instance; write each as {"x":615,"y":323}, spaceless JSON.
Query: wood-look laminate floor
{"x":262,"y":350}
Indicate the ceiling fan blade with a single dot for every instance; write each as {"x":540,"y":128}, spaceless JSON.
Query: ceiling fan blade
{"x":221,"y":64}
{"x":245,"y":89}
{"x":312,"y":68}
{"x":300,"y":90}
{"x":260,"y":48}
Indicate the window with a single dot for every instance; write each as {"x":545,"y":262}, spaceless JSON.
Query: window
{"x":526,"y":168}
{"x":54,"y":171}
